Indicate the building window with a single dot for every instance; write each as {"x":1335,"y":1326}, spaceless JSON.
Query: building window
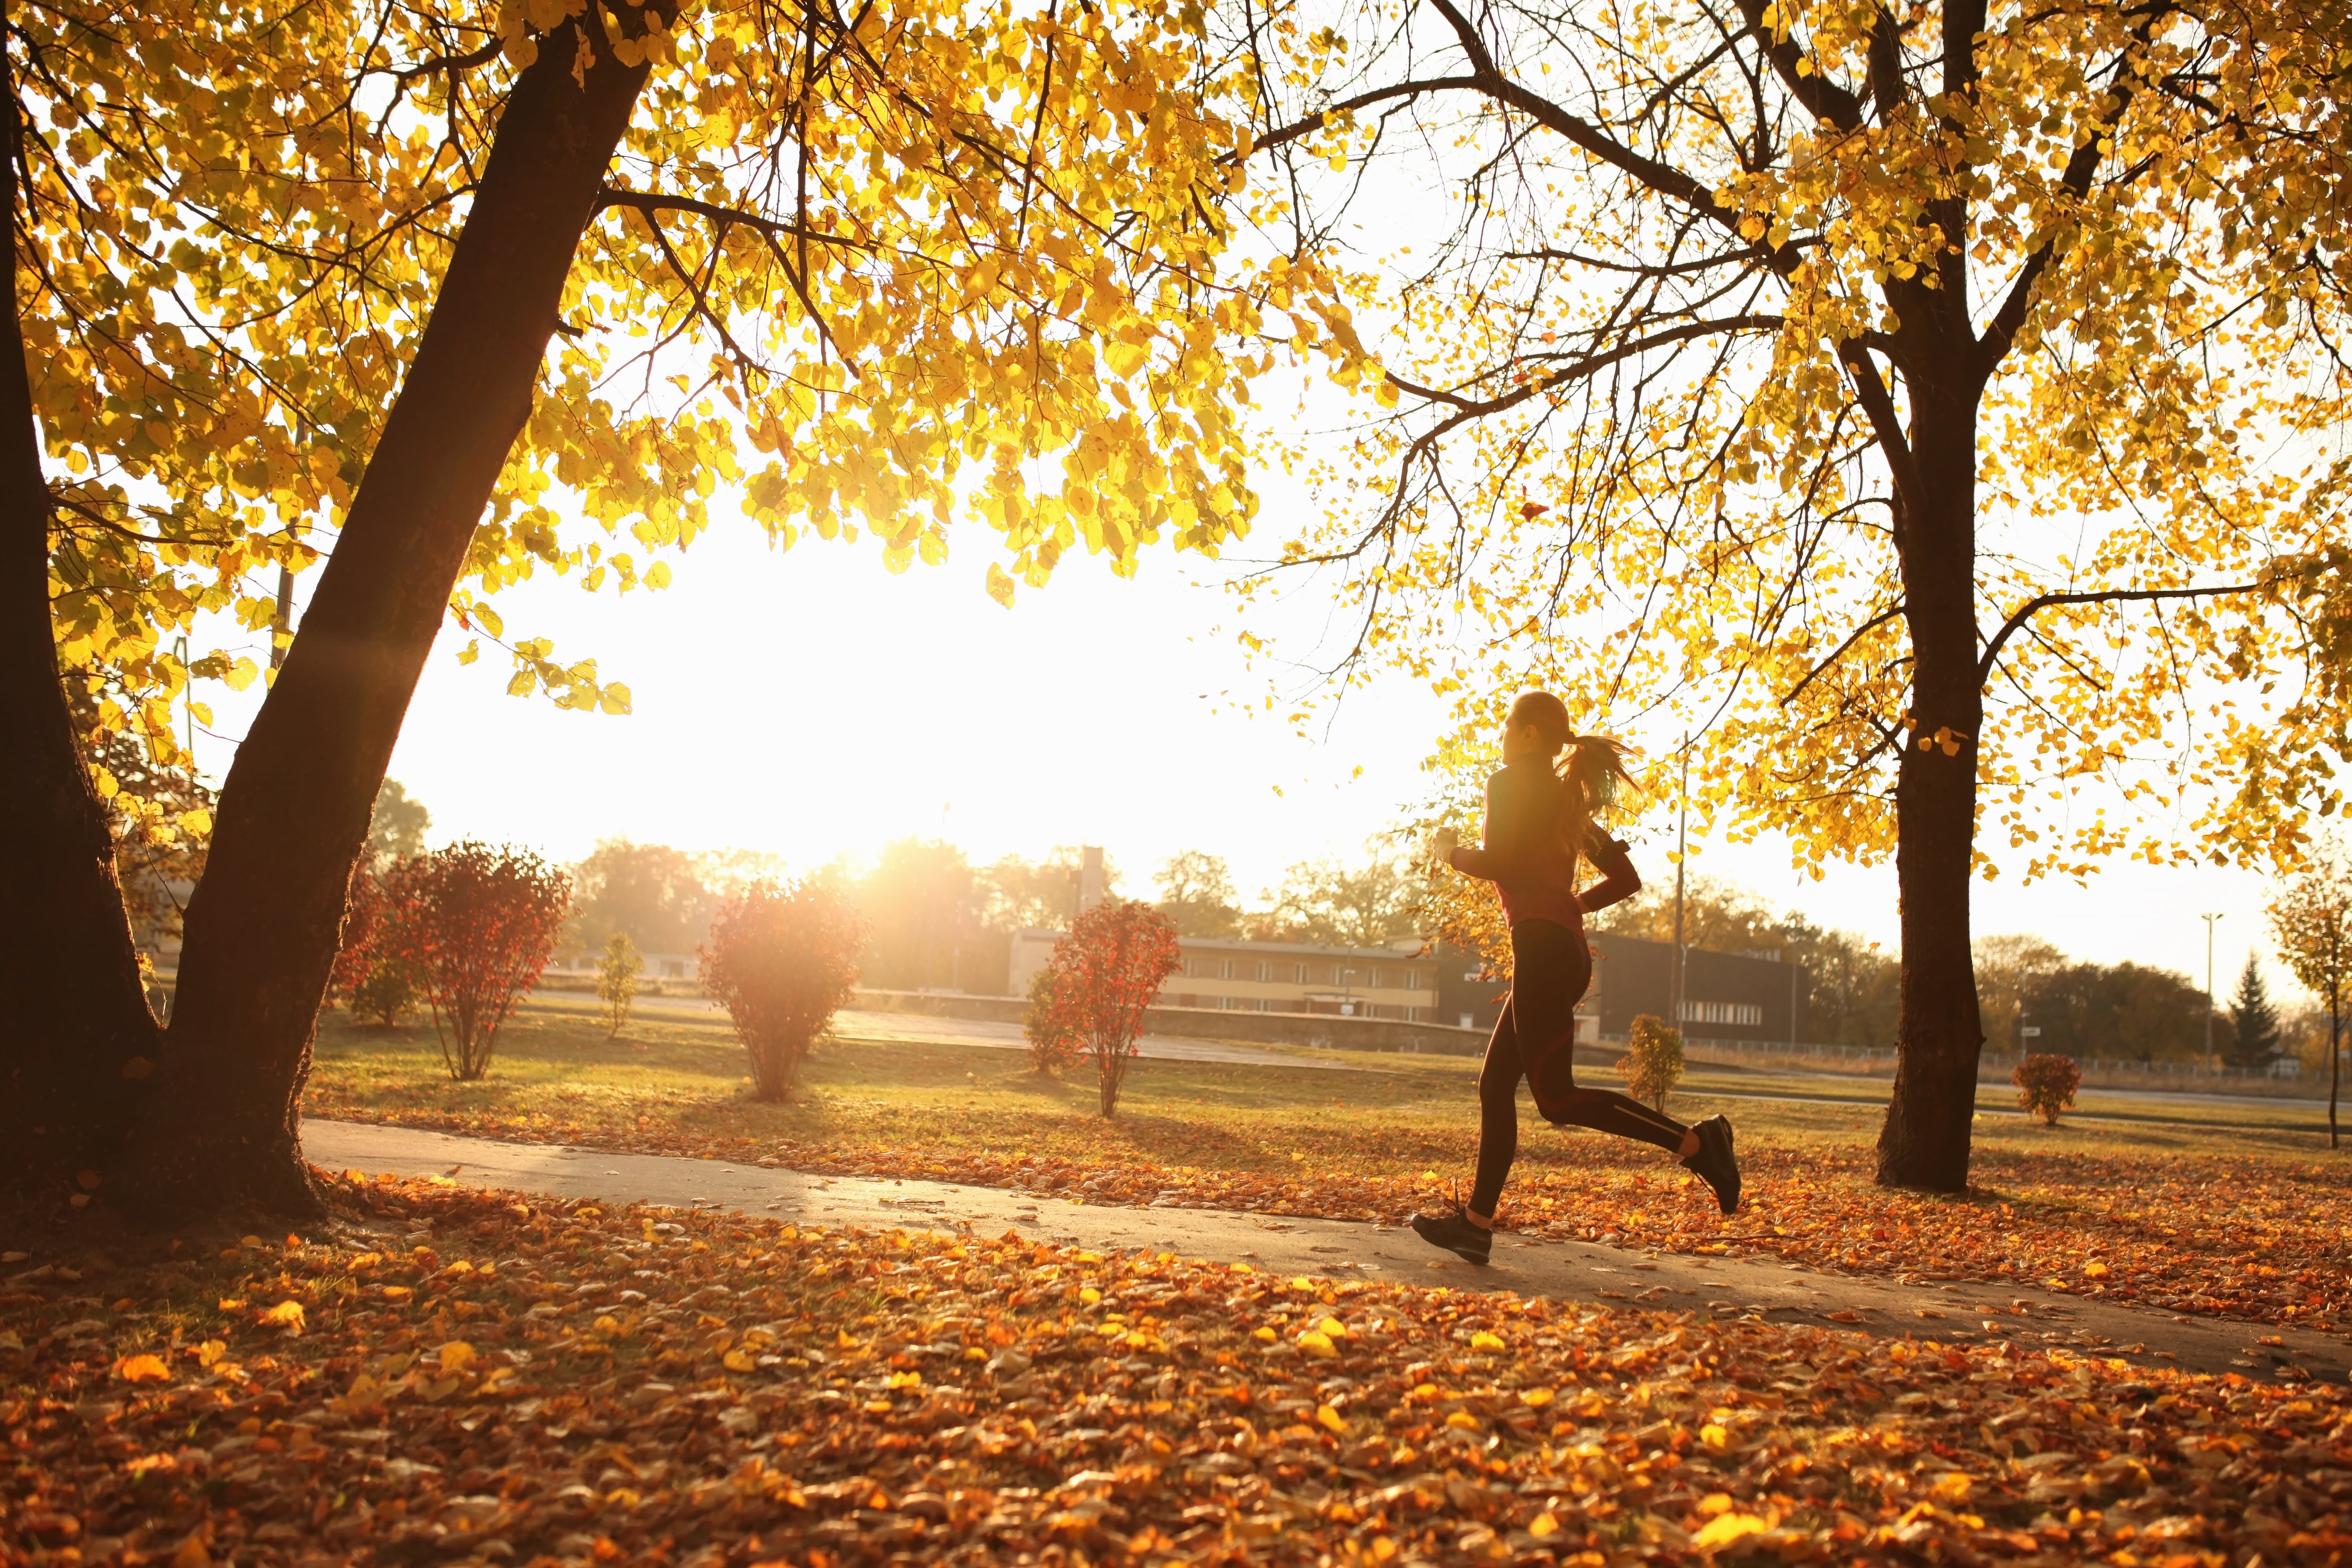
{"x":1300,"y":978}
{"x":1225,"y":969}
{"x":1265,"y":970}
{"x":1413,"y":1015}
{"x":1747,"y":1013}
{"x":1472,"y":975}
{"x":1379,"y":978}
{"x":1469,"y":1020}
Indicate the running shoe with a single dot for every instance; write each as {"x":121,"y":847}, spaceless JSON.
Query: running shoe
{"x":1456,"y":1233}
{"x":1714,"y":1163}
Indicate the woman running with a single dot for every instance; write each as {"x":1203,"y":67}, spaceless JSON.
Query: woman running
{"x":1540,"y":823}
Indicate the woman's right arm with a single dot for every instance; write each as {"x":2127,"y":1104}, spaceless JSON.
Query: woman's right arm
{"x":1504,"y":835}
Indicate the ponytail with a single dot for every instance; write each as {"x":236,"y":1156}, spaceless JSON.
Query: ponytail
{"x":1591,"y":769}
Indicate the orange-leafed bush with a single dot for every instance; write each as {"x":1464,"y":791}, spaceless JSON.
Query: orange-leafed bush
{"x":474,"y":926}
{"x":1051,"y":1022}
{"x":782,"y":957}
{"x":1106,"y":972}
{"x":372,"y":976}
{"x":2046,"y":1084}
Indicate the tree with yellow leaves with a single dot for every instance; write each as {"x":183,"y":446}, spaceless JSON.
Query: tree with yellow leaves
{"x":401,"y":287}
{"x":1926,"y":401}
{"x":2312,"y":921}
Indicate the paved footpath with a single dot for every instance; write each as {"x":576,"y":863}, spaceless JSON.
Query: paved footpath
{"x":1966,"y":1312}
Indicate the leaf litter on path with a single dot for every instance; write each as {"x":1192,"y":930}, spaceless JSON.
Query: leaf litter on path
{"x":2258,"y":1237}
{"x":468,"y":1377}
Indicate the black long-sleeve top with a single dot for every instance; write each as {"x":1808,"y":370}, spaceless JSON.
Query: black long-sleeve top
{"x":1525,"y":858}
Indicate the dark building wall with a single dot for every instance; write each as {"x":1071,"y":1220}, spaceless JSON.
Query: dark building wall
{"x":1465,"y":990}
{"x":1727,"y":996}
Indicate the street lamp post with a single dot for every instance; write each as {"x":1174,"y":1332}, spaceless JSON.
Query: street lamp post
{"x":1677,"y":980}
{"x":2208,"y":920}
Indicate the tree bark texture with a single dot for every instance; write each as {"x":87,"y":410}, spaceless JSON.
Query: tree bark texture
{"x":73,"y":1008}
{"x":264,"y":924}
{"x":1925,"y":1141}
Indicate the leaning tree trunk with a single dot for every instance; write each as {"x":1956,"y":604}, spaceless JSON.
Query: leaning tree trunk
{"x":73,"y":1010}
{"x":1925,"y":1141}
{"x":263,"y":928}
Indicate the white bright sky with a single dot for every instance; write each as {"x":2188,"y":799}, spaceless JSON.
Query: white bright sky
{"x":811,"y":705}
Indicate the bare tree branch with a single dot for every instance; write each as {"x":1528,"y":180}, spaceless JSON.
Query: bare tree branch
{"x":2027,"y":610}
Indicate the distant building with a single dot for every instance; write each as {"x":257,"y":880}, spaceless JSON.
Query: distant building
{"x":1728,"y":997}
{"x":1234,"y":976}
{"x":658,"y":966}
{"x":1468,"y":995}
{"x":1732,"y":997}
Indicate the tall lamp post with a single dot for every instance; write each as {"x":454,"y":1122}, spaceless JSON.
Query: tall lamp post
{"x":1682,"y":855}
{"x":2208,"y":920}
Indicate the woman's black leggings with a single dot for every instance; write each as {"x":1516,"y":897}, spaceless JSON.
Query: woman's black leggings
{"x":1535,"y":1038}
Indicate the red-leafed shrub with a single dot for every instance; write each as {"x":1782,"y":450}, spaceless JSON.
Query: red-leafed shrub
{"x":2046,"y":1084}
{"x":475,"y":926}
{"x":1106,"y":972}
{"x":1050,"y":1022}
{"x":782,"y":957}
{"x":370,"y":975}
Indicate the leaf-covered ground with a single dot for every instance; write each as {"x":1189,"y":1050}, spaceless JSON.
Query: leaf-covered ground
{"x":2247,"y":1222}
{"x":452,"y":1376}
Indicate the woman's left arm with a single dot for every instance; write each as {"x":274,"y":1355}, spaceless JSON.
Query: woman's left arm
{"x":1619,"y":880}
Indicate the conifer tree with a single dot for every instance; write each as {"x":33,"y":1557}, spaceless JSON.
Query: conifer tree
{"x":2253,"y":1021}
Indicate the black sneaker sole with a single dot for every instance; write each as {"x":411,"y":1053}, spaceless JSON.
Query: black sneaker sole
{"x":1732,"y":1160}
{"x":1467,"y":1255}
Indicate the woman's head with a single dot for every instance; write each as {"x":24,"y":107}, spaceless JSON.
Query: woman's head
{"x":1590,"y":772}
{"x":1537,"y":726}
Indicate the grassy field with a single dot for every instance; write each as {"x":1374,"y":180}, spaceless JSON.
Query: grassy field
{"x":2236,"y":1210}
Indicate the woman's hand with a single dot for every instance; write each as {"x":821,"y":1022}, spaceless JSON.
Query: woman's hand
{"x":1443,"y":843}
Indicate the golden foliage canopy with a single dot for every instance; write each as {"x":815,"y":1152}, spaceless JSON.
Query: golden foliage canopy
{"x":872,"y":270}
{"x":1715,"y":283}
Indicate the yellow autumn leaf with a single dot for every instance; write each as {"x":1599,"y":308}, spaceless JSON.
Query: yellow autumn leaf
{"x":142,"y":1369}
{"x":1726,"y":1527}
{"x":286,"y":1315}
{"x":455,"y":1356}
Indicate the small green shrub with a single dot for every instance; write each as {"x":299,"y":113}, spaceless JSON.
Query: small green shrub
{"x":617,"y":981}
{"x":1653,"y":1063}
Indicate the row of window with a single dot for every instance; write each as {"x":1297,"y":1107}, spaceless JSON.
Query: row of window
{"x":1295,"y":1005}
{"x":1747,"y":1013}
{"x":1373,"y":977}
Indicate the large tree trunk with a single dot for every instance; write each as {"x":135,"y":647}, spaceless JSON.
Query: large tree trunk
{"x":263,"y":928}
{"x":73,"y":1010}
{"x":1925,"y":1141}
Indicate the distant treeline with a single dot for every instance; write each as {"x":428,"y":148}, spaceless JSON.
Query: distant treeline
{"x":939,"y":920}
{"x":2126,"y":1012}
